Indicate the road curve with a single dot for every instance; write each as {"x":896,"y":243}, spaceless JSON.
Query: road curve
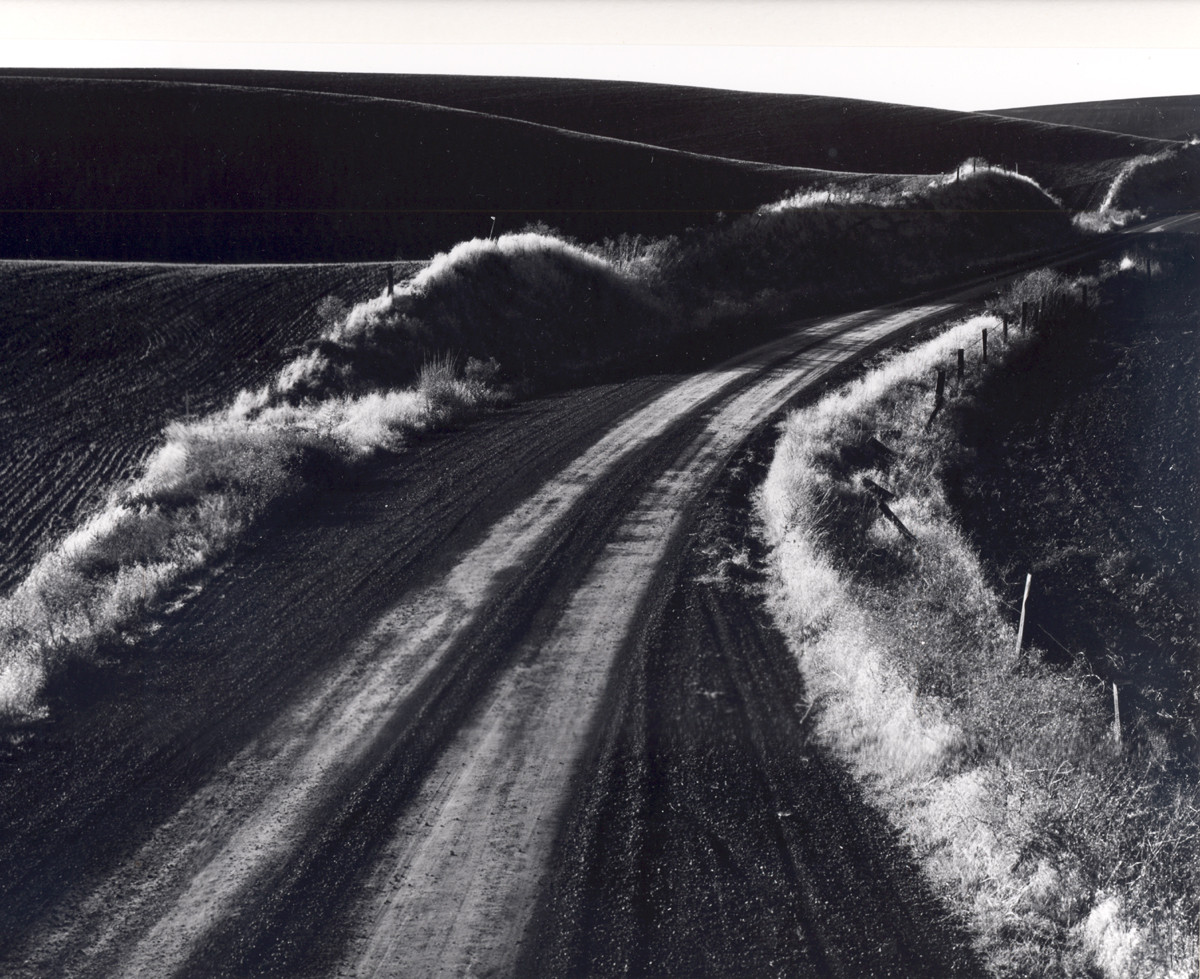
{"x":385,"y":791}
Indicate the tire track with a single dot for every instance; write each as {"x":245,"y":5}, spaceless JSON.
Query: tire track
{"x":711,"y":837}
{"x":498,"y":792}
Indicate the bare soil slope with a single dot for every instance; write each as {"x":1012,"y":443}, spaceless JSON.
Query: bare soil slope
{"x":1087,"y":477}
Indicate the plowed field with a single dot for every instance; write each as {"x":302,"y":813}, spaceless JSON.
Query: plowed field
{"x":95,"y":359}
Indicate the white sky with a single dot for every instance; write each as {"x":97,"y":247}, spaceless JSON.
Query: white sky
{"x":966,"y":54}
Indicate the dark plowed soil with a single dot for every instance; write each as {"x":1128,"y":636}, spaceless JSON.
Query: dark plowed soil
{"x":714,"y":838}
{"x":1086,"y":473}
{"x":96,"y":359}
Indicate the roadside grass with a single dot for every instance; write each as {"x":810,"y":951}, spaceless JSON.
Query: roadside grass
{"x":1066,"y":855}
{"x":199,"y":491}
{"x":847,"y":245}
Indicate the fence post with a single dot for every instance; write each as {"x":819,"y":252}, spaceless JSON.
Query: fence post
{"x":1024,"y":315}
{"x":1021,"y":627}
{"x":985,"y":344}
{"x":941,"y":388}
{"x":391,"y":282}
{"x":904,"y":531}
{"x":962,"y":362}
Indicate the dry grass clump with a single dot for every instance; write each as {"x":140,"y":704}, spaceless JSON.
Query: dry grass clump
{"x":1067,"y":856}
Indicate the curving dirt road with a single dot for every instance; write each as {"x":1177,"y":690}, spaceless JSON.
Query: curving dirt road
{"x":490,"y":709}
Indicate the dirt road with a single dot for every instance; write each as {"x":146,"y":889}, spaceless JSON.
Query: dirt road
{"x":489,"y":709}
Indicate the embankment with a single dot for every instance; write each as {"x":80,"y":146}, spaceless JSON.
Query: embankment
{"x":1066,"y":853}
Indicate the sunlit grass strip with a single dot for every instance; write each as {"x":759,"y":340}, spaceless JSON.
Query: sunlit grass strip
{"x":1062,"y":855}
{"x":198,"y":493}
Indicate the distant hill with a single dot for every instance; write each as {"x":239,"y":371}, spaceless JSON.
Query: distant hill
{"x":787,"y":130}
{"x":271,"y":166}
{"x":1173,"y":117}
{"x":166,"y":170}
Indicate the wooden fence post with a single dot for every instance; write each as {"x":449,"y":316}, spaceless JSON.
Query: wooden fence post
{"x":962,"y":362}
{"x":904,"y":531}
{"x":985,"y":344}
{"x":882,"y":492}
{"x":940,"y":396}
{"x":1021,"y":627}
{"x":391,"y":282}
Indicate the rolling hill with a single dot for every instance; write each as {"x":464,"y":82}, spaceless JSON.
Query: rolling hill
{"x":181,"y":172}
{"x":246,"y":166}
{"x":1173,"y":117}
{"x":786,"y":130}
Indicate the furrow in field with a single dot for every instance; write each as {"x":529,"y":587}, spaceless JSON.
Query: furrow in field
{"x":109,"y":354}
